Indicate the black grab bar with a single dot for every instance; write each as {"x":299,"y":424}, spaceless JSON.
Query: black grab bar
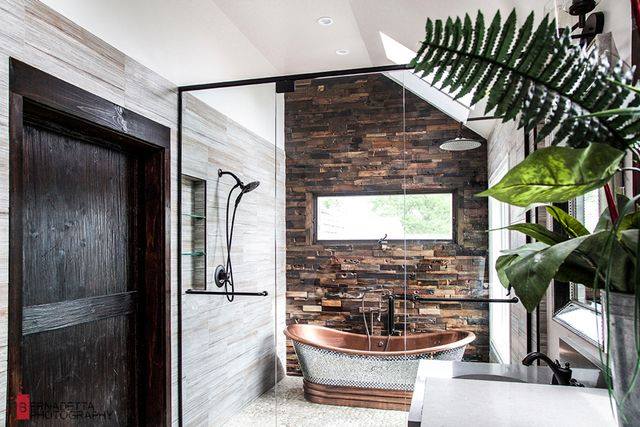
{"x":419,"y":298}
{"x":240,"y":294}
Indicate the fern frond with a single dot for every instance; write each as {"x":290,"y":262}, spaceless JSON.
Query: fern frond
{"x":534,"y":72}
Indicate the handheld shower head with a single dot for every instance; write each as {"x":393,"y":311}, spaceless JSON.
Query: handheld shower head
{"x":250,"y":186}
{"x":224,"y":274}
{"x":244,"y":188}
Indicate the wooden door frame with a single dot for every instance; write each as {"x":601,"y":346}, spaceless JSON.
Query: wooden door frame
{"x":29,"y":86}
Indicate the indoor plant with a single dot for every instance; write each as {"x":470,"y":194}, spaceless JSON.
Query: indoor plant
{"x":541,"y":78}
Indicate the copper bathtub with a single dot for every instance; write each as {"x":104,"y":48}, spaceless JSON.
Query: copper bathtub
{"x":342,"y":368}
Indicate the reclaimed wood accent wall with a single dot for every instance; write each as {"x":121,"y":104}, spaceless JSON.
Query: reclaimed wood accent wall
{"x":347,"y":135}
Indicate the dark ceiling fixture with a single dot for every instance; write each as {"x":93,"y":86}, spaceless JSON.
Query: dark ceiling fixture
{"x":588,"y":26}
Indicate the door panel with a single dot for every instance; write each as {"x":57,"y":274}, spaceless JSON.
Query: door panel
{"x":87,"y":369}
{"x":79,"y":323}
{"x":77,"y":205}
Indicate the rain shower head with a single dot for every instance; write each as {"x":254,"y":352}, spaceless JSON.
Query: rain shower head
{"x":460,"y":143}
{"x":250,"y":186}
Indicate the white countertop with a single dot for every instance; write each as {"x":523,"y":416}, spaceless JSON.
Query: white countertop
{"x":470,"y":402}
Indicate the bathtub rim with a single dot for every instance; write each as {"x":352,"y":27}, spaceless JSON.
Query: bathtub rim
{"x":470,"y":337}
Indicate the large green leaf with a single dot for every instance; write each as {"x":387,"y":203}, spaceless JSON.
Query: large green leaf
{"x":574,"y":260}
{"x":629,"y":239}
{"x":606,"y":252}
{"x":538,"y":232}
{"x":557,"y":174}
{"x":527,"y":249}
{"x":502,"y":263}
{"x":531,"y":275}
{"x":629,"y":221}
{"x":569,"y":224}
{"x":604,"y":222}
{"x":536,"y":74}
{"x":577,"y":269}
{"x":629,"y":215}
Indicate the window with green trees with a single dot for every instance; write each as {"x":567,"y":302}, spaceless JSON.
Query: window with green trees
{"x":425,"y":216}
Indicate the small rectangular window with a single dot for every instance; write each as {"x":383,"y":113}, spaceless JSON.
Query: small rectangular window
{"x":426,"y":216}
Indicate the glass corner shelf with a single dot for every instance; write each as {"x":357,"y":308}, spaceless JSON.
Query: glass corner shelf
{"x":194,"y":253}
{"x":194,"y":216}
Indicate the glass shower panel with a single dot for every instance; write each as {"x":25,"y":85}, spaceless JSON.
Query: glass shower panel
{"x":345,"y":253}
{"x":447,"y":272}
{"x":231,"y":245}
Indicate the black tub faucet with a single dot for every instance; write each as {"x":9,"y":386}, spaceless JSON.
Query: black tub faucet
{"x":561,"y":374}
{"x":391,"y":314}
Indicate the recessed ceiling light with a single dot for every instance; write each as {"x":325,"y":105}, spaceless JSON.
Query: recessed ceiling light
{"x":342,"y":51}
{"x":325,"y":21}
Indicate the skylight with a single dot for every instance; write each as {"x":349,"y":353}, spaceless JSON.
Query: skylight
{"x":397,"y":53}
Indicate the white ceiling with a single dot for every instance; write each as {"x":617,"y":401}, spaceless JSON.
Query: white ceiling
{"x":185,"y":41}
{"x":286,"y":32}
{"x":197,"y":41}
{"x":201,"y":41}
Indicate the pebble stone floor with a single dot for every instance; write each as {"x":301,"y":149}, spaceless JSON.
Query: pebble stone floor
{"x":294,"y":411}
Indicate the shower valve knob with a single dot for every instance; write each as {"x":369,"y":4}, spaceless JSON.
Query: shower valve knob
{"x":220,"y":276}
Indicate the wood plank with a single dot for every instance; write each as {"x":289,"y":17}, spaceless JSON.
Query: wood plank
{"x":88,"y":352}
{"x":58,"y":315}
{"x":60,"y":95}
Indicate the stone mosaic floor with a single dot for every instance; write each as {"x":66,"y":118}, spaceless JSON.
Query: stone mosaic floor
{"x":294,"y":411}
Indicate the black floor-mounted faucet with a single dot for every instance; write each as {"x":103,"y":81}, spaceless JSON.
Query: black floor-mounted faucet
{"x":391,"y":315}
{"x":561,"y":374}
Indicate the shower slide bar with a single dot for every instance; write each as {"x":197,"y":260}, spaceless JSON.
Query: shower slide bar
{"x":239,"y":294}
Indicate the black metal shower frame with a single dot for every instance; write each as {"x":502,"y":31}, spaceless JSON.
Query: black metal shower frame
{"x":284,"y":83}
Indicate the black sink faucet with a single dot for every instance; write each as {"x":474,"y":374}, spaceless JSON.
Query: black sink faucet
{"x":561,"y":375}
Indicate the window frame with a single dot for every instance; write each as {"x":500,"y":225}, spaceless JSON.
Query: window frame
{"x":573,"y":206}
{"x":385,"y":192}
{"x":569,"y":290}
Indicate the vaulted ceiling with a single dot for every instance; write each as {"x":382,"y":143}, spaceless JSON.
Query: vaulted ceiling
{"x":195,"y":41}
{"x":202,"y":41}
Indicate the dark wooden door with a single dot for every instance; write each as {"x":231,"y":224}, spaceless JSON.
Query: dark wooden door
{"x":89,"y":307}
{"x":79,"y":294}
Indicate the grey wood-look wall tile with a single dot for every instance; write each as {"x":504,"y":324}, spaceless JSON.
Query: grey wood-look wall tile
{"x":4,"y":89}
{"x":4,"y":292}
{"x":4,"y":269}
{"x":236,"y":363}
{"x":11,"y":26}
{"x":33,"y":33}
{"x":67,"y":51}
{"x":149,"y":94}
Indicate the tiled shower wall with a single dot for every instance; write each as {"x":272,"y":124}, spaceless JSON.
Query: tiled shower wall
{"x":345,"y":135}
{"x":228,"y":347}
